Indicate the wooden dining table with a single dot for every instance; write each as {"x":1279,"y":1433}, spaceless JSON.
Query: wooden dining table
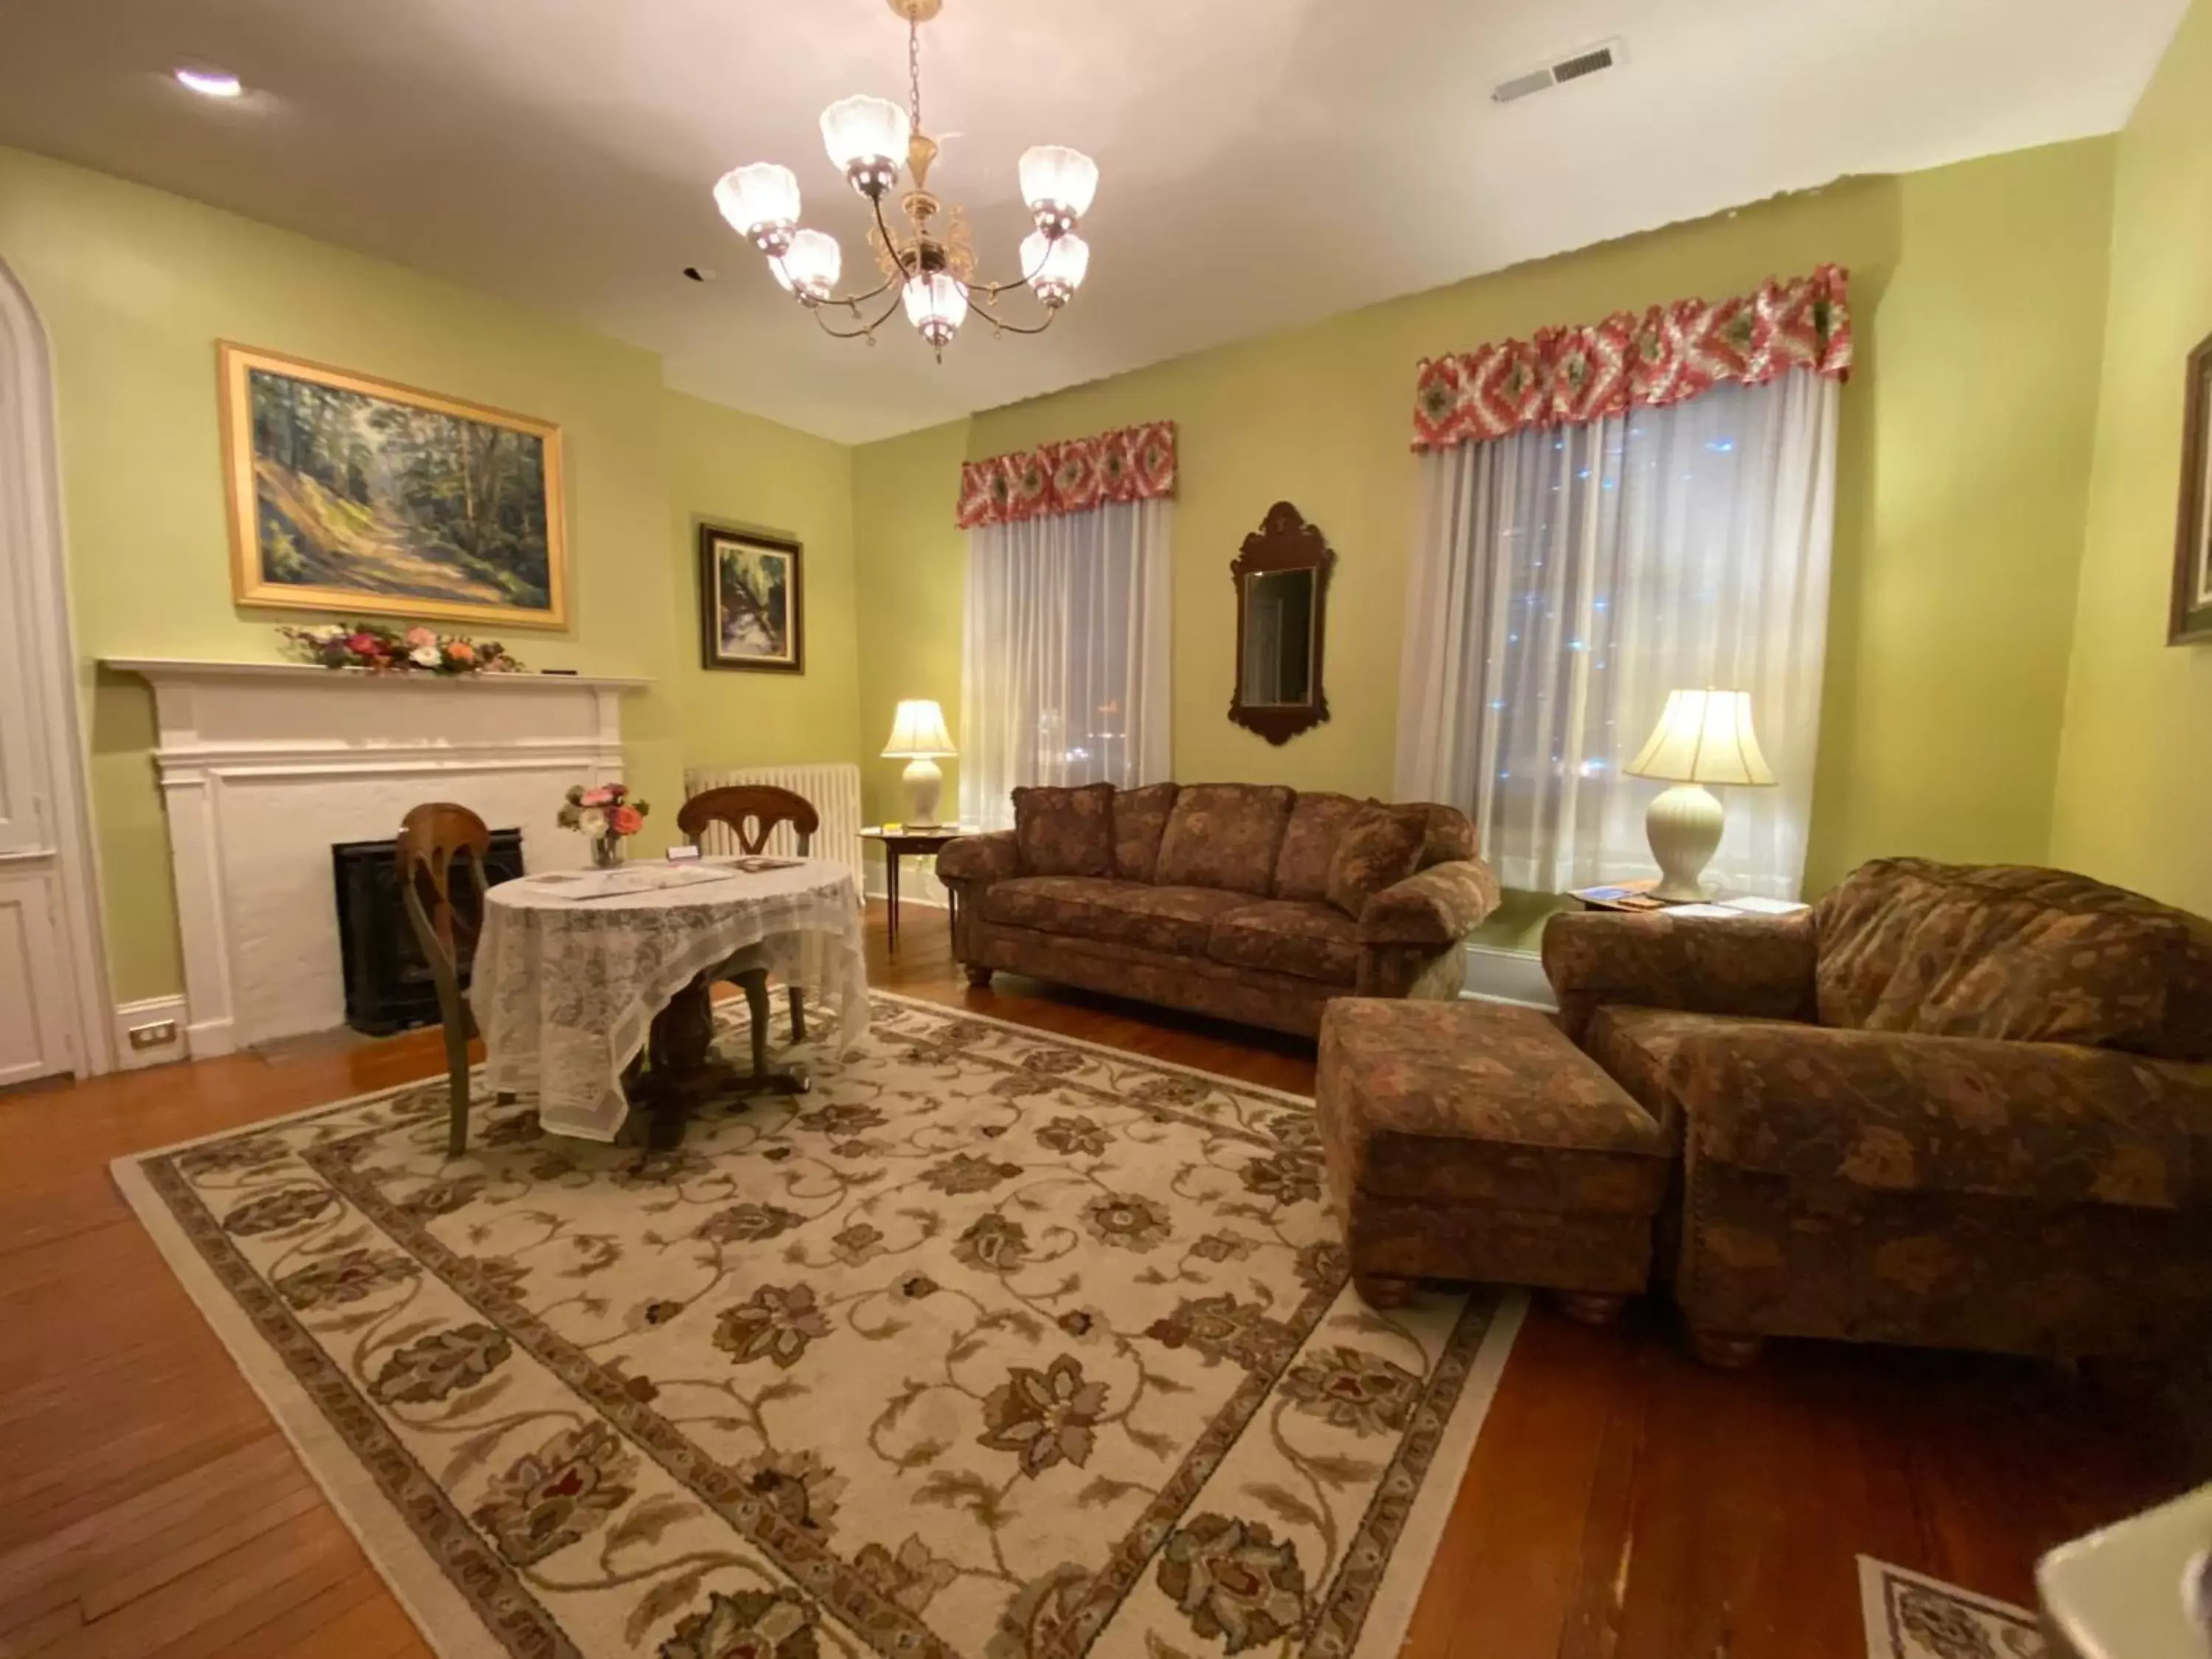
{"x":593,"y":989}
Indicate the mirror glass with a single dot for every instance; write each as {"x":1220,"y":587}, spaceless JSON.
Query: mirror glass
{"x":1278,"y":671}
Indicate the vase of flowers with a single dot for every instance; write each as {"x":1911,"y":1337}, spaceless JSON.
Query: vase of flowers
{"x":605,"y":816}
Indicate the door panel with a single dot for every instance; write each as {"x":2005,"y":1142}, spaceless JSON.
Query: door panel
{"x":22,"y":814}
{"x":33,"y":1023}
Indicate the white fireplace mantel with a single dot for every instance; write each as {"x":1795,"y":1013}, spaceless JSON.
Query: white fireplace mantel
{"x":266,"y":766}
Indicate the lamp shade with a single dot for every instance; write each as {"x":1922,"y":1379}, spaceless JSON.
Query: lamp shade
{"x":809,"y":267}
{"x":936,"y":305}
{"x":758,"y":197}
{"x":859,"y":130}
{"x":1054,"y":175}
{"x":918,"y":732}
{"x":1054,"y":266}
{"x":1703,"y":737}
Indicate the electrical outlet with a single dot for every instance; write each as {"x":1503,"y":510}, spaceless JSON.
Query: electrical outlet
{"x":157,"y":1035}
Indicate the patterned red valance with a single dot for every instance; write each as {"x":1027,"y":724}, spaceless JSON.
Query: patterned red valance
{"x":1569,"y":376}
{"x":1133,"y":465}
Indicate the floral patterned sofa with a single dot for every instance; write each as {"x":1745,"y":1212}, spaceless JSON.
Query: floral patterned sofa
{"x":1957,"y":1106}
{"x":1240,"y":900}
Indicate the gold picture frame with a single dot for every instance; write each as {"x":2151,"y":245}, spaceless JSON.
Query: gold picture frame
{"x":343,"y":498}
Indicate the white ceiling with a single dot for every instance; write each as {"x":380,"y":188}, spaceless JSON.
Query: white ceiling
{"x":1264,"y":162}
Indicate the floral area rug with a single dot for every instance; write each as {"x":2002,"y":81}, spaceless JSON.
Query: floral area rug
{"x":995,"y":1343}
{"x":1909,"y":1616}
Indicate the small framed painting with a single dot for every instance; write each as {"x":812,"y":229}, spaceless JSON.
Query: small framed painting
{"x":2191,"y":619}
{"x":752,"y":600}
{"x":356,"y":494}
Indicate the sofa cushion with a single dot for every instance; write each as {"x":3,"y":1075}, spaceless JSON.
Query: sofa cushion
{"x":1174,"y":919}
{"x":1450,"y":836}
{"x":1317,"y":823}
{"x":1636,"y":1045}
{"x":1898,"y":1114}
{"x":1065,"y":832}
{"x":1223,"y":836}
{"x":1298,"y":936}
{"x":1140,"y":818}
{"x":1477,"y":1103}
{"x":2014,"y":953}
{"x":1379,"y":850}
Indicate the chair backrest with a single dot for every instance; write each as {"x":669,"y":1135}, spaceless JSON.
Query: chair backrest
{"x":431,"y":838}
{"x":752,"y":810}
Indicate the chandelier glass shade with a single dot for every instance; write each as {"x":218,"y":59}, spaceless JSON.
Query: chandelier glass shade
{"x":928,"y":264}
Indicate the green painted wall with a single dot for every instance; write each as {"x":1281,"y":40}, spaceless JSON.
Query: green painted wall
{"x":1979,"y":296}
{"x":2135,"y":775}
{"x":134,"y":287}
{"x":914,"y":572}
{"x":749,"y":473}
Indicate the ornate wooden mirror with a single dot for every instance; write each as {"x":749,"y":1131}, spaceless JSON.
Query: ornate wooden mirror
{"x":1282,"y":608}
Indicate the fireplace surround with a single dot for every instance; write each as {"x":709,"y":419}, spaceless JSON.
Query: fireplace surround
{"x":266,"y":766}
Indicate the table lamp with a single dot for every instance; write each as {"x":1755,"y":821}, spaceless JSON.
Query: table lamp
{"x":1703,"y":737}
{"x":917,"y":738}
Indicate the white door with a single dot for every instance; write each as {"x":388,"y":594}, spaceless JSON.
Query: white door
{"x":38,"y":975}
{"x":34,"y":1015}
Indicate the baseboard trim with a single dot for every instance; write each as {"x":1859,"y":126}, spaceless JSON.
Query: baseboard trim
{"x":1514,"y":977}
{"x":212,"y":1037}
{"x":918,"y":885}
{"x":150,"y":1011}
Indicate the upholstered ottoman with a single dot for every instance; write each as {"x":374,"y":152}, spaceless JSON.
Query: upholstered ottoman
{"x":1474,"y":1140}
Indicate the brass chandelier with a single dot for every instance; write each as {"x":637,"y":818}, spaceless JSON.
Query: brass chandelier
{"x":928,"y":265}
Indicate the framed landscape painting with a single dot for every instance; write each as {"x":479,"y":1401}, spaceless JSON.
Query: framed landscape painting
{"x":752,"y":600}
{"x":2191,"y":620}
{"x":355,"y":495}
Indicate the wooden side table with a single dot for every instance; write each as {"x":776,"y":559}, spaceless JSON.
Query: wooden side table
{"x":896,"y":843}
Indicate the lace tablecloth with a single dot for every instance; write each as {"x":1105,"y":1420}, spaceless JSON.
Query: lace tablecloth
{"x":565,"y":989}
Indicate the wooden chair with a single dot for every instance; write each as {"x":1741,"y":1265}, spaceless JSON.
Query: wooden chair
{"x":434,"y":838}
{"x":753,"y":812}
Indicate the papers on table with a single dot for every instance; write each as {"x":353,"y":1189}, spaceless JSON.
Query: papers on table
{"x":1737,"y":906}
{"x":579,"y":885}
{"x":1636,"y":896}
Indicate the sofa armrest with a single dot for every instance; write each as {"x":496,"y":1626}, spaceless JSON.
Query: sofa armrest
{"x":979,"y":859}
{"x":1758,"y":967}
{"x":1435,"y":909}
{"x":1897,"y":1112}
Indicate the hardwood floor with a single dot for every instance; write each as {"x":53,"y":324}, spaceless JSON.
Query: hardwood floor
{"x":1623,"y":1502}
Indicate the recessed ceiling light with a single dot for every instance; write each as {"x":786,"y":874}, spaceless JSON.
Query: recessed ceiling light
{"x":209,"y":83}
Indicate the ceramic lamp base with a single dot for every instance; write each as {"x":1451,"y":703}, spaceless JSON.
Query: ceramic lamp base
{"x":925,"y":784}
{"x":1683,"y":827}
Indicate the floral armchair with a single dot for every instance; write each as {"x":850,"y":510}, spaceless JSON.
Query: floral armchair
{"x":1956,"y":1106}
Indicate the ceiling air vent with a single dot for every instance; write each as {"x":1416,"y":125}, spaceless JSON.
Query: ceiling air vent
{"x":1574,"y":68}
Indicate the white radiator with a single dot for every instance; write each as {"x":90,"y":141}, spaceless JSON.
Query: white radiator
{"x":833,"y":787}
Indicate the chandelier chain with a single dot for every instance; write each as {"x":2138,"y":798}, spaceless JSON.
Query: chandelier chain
{"x":914,"y":72}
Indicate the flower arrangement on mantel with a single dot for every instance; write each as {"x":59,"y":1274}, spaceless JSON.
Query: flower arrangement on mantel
{"x":386,"y":650}
{"x":605,"y":815}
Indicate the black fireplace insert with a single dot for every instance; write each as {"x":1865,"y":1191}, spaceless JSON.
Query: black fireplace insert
{"x":388,"y":986}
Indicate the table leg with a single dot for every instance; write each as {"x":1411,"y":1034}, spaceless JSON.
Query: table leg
{"x":679,"y":1046}
{"x":681,"y":1072}
{"x":890,"y":894}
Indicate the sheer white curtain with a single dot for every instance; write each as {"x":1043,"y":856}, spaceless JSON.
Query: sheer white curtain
{"x":1563,"y":581}
{"x":1065,"y":674}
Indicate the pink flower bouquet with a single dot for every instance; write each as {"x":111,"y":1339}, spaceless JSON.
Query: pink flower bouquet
{"x":604,"y":814}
